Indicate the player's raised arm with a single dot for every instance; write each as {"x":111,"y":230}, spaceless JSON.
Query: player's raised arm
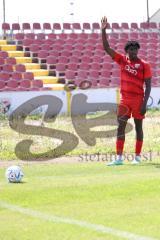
{"x":106,"y":46}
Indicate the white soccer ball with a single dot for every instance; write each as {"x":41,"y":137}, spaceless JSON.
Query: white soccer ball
{"x":14,"y":174}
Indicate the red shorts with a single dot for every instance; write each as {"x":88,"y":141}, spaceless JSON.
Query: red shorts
{"x":131,"y":107}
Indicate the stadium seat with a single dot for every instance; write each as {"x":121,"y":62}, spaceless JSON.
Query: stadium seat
{"x":95,"y":66}
{"x":16,"y":76}
{"x":6,"y":30}
{"x":46,"y":47}
{"x":74,"y":59}
{"x":66,"y":53}
{"x":26,"y":43}
{"x":96,"y":27}
{"x":96,"y":58}
{"x":86,"y":27}
{"x":63,"y":35}
{"x":116,"y":26}
{"x":15,"y":28}
{"x":76,"y":27}
{"x":29,"y":36}
{"x":36,"y":27}
{"x":63,"y":59}
{"x":37,"y":84}
{"x":134,"y":26}
{"x":68,"y":47}
{"x":84,"y":66}
{"x":28,"y":75}
{"x":82,"y":75}
{"x":25,"y":85}
{"x":57,"y":28}
{"x":60,"y":69}
{"x":153,"y":26}
{"x":104,"y":82}
{"x":4,"y":76}
{"x":20,"y":68}
{"x":26,"y":27}
{"x":41,"y":36}
{"x":51,"y":36}
{"x":54,"y":53}
{"x":72,"y":66}
{"x":11,"y":60}
{"x":89,"y":47}
{"x":47,"y":27}
{"x":70,"y":74}
{"x":19,"y":37}
{"x":86,"y":59}
{"x":42,"y":56}
{"x":34,"y":49}
{"x":67,"y":28}
{"x":51,"y":62}
{"x":144,"y":26}
{"x":124,"y":26}
{"x":12,"y":85}
{"x":8,"y":68}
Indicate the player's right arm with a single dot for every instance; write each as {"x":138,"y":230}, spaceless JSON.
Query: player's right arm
{"x":106,"y":46}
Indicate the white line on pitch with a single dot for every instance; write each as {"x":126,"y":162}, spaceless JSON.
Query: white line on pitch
{"x":71,"y":221}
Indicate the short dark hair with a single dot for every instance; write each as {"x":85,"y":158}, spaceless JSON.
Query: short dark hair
{"x":133,"y":44}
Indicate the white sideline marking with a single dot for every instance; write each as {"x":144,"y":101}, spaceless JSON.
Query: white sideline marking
{"x":71,"y":221}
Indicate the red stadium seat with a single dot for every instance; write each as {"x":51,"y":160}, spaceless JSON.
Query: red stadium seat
{"x":57,"y":28}
{"x":84,"y":66}
{"x":2,"y":85}
{"x":115,"y":26}
{"x":67,"y":28}
{"x":72,"y":66}
{"x":12,"y":85}
{"x":11,"y":60}
{"x":7,"y":68}
{"x":3,"y":54}
{"x":36,"y":27}
{"x":60,"y":69}
{"x":25,"y":85}
{"x":51,"y":62}
{"x":70,"y":74}
{"x":47,"y":27}
{"x":28,"y":75}
{"x":96,"y":27}
{"x":86,"y":27}
{"x":26,"y":27}
{"x":134,"y":26}
{"x":15,"y":28}
{"x":76,"y":27}
{"x":20,"y":68}
{"x":124,"y":26}
{"x":17,"y":76}
{"x":4,"y":76}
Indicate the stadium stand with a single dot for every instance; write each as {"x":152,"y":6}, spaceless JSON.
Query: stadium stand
{"x":69,"y":51}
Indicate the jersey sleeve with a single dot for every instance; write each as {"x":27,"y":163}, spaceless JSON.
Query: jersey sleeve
{"x":147,"y":71}
{"x":118,"y":58}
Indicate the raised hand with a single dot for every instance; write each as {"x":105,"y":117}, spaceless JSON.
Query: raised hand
{"x":104,"y":23}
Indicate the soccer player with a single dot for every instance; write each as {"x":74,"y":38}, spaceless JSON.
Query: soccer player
{"x":135,"y":73}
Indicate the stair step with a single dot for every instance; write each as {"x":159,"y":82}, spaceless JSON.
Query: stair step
{"x":23,"y":60}
{"x":32,"y":66}
{"x":8,"y":47}
{"x":16,"y":54}
{"x":48,"y":79}
{"x":39,"y":72}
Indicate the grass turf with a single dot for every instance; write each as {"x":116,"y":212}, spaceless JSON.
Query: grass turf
{"x":122,"y":197}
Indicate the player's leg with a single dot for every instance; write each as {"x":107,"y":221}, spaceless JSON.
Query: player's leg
{"x":122,"y":122}
{"x":139,"y":140}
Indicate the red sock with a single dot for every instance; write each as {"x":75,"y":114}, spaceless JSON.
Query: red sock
{"x":138,"y":147}
{"x":119,"y":146}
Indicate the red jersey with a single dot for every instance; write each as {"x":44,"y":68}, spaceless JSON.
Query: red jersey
{"x":133,"y":73}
